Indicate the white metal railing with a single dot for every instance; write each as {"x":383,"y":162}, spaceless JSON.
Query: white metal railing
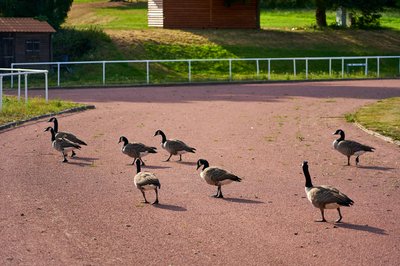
{"x":229,"y":60}
{"x":22,"y":72}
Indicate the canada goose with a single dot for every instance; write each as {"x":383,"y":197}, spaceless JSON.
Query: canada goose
{"x":349,"y":147}
{"x":325,"y":197}
{"x":146,"y":181}
{"x":62,"y":145}
{"x":66,"y":135}
{"x":174,"y":146}
{"x":136,"y":150}
{"x":216,"y":176}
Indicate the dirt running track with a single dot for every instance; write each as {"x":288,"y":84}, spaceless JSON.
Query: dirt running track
{"x":87,"y":212}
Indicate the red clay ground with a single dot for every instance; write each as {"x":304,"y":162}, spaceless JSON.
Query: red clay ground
{"x":87,"y":212}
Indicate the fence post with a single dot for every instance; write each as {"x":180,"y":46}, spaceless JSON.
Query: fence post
{"x":258,"y":68}
{"x":189,"y":71}
{"x":58,"y":74}
{"x":104,"y":72}
{"x":294,"y":67}
{"x":148,"y":71}
{"x":377,"y":67}
{"x":19,"y":86}
{"x":306,"y":68}
{"x":1,"y":93}
{"x":269,"y":69}
{"x":26,"y":88}
{"x":342,"y":67}
{"x":12,"y":77}
{"x":230,"y":69}
{"x":46,"y":86}
{"x":330,"y":67}
{"x":366,"y":66}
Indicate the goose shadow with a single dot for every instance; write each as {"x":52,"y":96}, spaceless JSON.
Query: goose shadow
{"x":155,"y":167}
{"x":87,"y":159}
{"x":82,"y":164}
{"x":380,"y":168}
{"x":246,"y":201}
{"x":365,"y":228}
{"x":187,"y":163}
{"x":170,"y":207}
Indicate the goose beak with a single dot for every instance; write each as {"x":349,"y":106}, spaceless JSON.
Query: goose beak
{"x":197,"y":168}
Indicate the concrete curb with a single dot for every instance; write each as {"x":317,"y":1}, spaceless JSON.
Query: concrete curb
{"x":20,"y":122}
{"x":376,"y":134}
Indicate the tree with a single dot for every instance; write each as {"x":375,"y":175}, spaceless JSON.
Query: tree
{"x":320,"y":12}
{"x":369,"y":10}
{"x":53,"y":11}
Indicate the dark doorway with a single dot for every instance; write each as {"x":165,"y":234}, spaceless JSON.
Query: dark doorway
{"x":6,"y":51}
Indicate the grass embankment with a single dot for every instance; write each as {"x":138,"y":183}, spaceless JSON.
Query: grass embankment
{"x":14,"y":110}
{"x":284,"y":33}
{"x":382,"y":117}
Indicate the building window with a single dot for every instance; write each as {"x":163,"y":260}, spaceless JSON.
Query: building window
{"x":32,"y":48}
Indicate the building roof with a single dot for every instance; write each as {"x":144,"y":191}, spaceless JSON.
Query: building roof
{"x":24,"y":25}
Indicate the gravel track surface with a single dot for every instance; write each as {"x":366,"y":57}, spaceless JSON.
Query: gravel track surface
{"x":87,"y":211}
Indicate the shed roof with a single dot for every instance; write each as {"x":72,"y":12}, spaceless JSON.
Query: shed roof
{"x":24,"y":25}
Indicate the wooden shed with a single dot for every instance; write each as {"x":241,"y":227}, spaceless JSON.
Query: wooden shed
{"x":204,"y":14}
{"x":24,"y":40}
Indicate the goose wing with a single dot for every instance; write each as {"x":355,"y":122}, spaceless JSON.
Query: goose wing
{"x":65,"y":143}
{"x":71,"y":137}
{"x":328,"y":194}
{"x":350,"y":147}
{"x":175,"y":145}
{"x":140,"y":147}
{"x":145,"y":179}
{"x":218,"y":174}
{"x":132,"y":149}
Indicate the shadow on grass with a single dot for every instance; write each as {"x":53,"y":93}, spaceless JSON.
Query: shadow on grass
{"x":365,"y":228}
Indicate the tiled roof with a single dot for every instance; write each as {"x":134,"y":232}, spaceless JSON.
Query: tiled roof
{"x":24,"y":25}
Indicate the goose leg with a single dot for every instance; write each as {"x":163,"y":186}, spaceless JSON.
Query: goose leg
{"x":65,"y":158}
{"x":348,"y":160}
{"x":340,"y":216}
{"x":144,"y":196}
{"x":180,"y":157}
{"x":141,"y":161}
{"x":323,"y":216}
{"x":134,"y":160}
{"x":216,"y":195}
{"x":73,"y":154}
{"x":168,"y":158}
{"x":220,"y":193}
{"x":357,"y":160}
{"x":156,"y":201}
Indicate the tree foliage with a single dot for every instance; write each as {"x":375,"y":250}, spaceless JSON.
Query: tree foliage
{"x":53,"y":11}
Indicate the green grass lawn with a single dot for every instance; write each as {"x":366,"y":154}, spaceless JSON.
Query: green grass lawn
{"x":14,"y":110}
{"x":382,"y":117}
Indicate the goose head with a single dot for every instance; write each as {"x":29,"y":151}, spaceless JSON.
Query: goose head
{"x":341,"y":133}
{"x":49,"y":129}
{"x":52,"y":119}
{"x":163,"y":137}
{"x":202,"y":162}
{"x":123,"y":139}
{"x":158,"y":132}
